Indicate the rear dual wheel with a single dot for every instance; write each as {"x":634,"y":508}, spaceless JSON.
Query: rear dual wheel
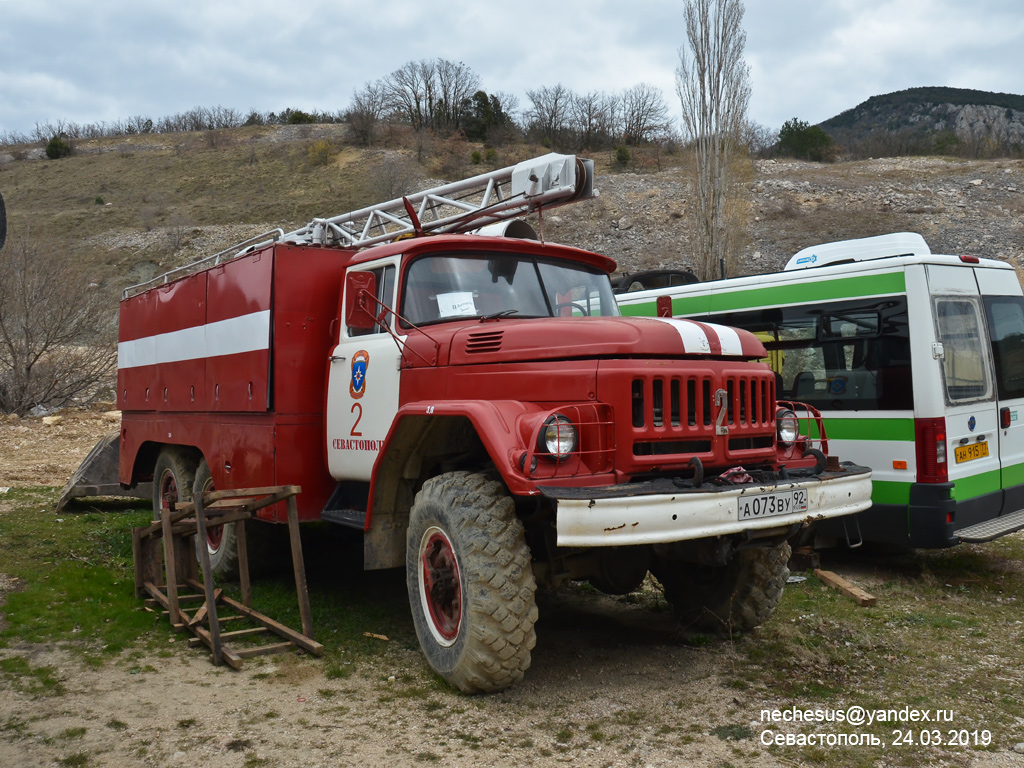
{"x":174,"y":475}
{"x":177,"y":478}
{"x":221,"y":540}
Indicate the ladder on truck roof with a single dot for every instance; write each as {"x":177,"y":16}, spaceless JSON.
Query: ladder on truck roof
{"x":548,"y":181}
{"x":462,"y":206}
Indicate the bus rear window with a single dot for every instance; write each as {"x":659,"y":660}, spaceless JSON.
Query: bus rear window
{"x":1006,"y":326}
{"x":964,"y":362}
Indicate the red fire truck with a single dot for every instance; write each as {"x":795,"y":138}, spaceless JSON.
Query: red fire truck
{"x":467,"y":395}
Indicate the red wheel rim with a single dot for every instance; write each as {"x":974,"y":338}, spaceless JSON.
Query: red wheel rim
{"x":214,"y":536}
{"x":440,"y":584}
{"x":168,"y":491}
{"x":214,"y":533}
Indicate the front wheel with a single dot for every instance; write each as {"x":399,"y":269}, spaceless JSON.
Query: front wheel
{"x":735,"y":597}
{"x":471,"y":585}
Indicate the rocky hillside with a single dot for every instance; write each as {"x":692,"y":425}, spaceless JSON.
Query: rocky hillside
{"x":137,"y":209}
{"x":972,"y":117}
{"x":974,"y":207}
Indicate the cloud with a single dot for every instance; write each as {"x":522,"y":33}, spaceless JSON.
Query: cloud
{"x":88,"y":62}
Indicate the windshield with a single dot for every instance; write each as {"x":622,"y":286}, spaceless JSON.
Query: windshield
{"x":444,"y":287}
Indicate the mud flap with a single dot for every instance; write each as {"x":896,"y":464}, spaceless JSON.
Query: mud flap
{"x":98,"y":475}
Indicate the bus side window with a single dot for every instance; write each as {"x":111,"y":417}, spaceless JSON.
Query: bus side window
{"x":843,"y":355}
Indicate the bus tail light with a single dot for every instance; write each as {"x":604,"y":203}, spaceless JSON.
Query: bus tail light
{"x":930,"y":436}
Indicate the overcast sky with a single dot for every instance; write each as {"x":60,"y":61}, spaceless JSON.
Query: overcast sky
{"x":91,"y":61}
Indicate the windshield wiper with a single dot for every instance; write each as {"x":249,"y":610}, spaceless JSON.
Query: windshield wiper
{"x":496,"y":315}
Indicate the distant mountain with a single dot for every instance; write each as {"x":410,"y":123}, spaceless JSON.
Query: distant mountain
{"x":935,"y":118}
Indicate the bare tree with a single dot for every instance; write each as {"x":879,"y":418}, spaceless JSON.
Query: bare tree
{"x":56,"y":332}
{"x":366,"y":111}
{"x":713,"y":83}
{"x":456,"y":84}
{"x":592,"y":118}
{"x":549,"y":114}
{"x":431,"y":93}
{"x":406,"y":90}
{"x":644,"y":114}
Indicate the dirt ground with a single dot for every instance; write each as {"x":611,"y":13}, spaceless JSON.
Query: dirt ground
{"x":611,"y":685}
{"x":633,"y":680}
{"x":46,"y":450}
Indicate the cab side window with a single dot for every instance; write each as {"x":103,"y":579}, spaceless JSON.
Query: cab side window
{"x":385,"y":278}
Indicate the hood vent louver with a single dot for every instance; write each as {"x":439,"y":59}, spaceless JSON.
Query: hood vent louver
{"x":484,"y":341}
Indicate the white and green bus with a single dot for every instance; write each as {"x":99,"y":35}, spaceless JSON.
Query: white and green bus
{"x":915,"y":360}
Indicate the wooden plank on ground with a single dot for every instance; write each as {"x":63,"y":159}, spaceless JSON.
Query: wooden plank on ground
{"x":836,"y":581}
{"x":277,"y":628}
{"x":266,"y":650}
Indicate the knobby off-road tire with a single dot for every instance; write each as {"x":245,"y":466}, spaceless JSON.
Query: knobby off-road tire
{"x":173,"y":477}
{"x":735,"y":597}
{"x":222,"y":540}
{"x":471,"y":585}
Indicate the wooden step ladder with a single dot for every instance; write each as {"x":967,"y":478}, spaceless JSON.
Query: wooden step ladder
{"x":166,"y":572}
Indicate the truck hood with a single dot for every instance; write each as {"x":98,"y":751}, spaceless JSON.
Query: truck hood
{"x":509,"y":340}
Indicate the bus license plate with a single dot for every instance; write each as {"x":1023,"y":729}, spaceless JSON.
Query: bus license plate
{"x":970,"y":452}
{"x":771,"y":504}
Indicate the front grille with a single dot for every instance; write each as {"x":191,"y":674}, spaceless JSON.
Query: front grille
{"x":721,"y":416}
{"x":666,"y":401}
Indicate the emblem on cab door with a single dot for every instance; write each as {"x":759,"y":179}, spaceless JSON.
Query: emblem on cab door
{"x":360,"y":362}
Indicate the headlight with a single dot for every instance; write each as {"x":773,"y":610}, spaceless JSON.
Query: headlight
{"x":787,"y":426}
{"x":557,"y":437}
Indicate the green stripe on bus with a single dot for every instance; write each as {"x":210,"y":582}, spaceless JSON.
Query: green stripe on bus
{"x":822,"y":290}
{"x":901,"y":430}
{"x":706,"y":302}
{"x":640,"y":309}
{"x":965,"y":488}
{"x":888,"y":492}
{"x":1013,"y":475}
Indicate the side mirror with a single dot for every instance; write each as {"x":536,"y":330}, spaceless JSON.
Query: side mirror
{"x":360,"y":300}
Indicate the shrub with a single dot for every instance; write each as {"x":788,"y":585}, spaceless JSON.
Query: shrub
{"x":808,"y":142}
{"x":476,"y":157}
{"x":298,"y":117}
{"x":98,"y":200}
{"x":622,"y":155}
{"x":321,"y":152}
{"x":57,"y":147}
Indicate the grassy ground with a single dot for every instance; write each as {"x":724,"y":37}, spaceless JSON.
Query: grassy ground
{"x":946,"y":634}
